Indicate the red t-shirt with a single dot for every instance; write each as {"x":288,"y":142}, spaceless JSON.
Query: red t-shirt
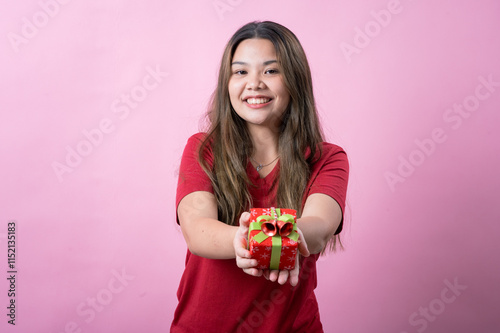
{"x":217,"y":296}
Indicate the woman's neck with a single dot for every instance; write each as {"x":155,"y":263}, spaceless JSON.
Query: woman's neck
{"x":265,"y":144}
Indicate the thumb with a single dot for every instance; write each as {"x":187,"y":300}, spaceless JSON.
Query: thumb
{"x":245,"y":219}
{"x":303,"y":244}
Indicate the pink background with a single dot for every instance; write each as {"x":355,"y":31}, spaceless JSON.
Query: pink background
{"x":63,"y":74}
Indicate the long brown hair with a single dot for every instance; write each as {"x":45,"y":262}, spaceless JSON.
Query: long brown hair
{"x":300,"y":133}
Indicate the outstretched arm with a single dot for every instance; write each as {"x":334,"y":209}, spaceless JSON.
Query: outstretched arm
{"x":210,"y":238}
{"x":320,"y":219}
{"x":205,"y":235}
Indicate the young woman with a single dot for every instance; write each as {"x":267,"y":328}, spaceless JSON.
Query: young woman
{"x":264,"y":148}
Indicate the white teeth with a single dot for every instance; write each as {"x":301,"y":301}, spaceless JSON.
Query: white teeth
{"x":258,"y":100}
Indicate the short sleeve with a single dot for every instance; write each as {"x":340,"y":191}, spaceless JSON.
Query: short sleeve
{"x":330,"y":176}
{"x":192,"y":178}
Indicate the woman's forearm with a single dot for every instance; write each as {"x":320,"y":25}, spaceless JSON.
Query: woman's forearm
{"x":210,"y":238}
{"x":320,"y":219}
{"x":316,"y":232}
{"x":205,"y":236}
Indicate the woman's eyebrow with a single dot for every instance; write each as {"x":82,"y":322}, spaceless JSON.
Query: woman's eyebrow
{"x":268,"y":62}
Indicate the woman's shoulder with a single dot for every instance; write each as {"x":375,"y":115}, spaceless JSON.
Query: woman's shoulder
{"x":331,"y":154}
{"x":332,"y":151}
{"x":198,"y":137}
{"x":325,"y":151}
{"x":331,"y":148}
{"x":195,"y":142}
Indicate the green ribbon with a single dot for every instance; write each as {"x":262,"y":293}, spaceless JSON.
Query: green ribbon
{"x":276,"y":240}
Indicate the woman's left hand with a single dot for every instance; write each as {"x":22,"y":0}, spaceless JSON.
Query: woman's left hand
{"x":289,"y":275}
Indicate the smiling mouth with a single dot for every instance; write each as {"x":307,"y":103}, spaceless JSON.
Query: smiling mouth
{"x":257,"y":101}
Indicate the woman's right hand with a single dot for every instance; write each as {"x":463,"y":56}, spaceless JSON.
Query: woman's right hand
{"x":282,"y":276}
{"x":243,"y":258}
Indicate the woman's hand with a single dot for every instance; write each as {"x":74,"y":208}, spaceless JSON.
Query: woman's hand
{"x":285,"y":275}
{"x":243,"y":258}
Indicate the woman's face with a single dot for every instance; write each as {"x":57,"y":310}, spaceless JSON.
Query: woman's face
{"x":256,"y":88}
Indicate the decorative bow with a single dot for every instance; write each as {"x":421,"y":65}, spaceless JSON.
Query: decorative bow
{"x":276,"y":224}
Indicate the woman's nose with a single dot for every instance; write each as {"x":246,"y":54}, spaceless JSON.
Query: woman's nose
{"x":254,"y":81}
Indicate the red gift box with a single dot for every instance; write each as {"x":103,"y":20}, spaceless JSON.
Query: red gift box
{"x":272,"y":237}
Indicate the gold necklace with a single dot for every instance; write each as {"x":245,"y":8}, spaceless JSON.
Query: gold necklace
{"x":260,"y":166}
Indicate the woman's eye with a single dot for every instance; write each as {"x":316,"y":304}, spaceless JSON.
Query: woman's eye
{"x":240,"y":72}
{"x":272,"y":71}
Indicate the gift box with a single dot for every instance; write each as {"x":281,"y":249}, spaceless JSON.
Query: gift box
{"x":272,"y":237}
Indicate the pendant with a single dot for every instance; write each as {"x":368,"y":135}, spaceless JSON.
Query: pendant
{"x":259,"y":167}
